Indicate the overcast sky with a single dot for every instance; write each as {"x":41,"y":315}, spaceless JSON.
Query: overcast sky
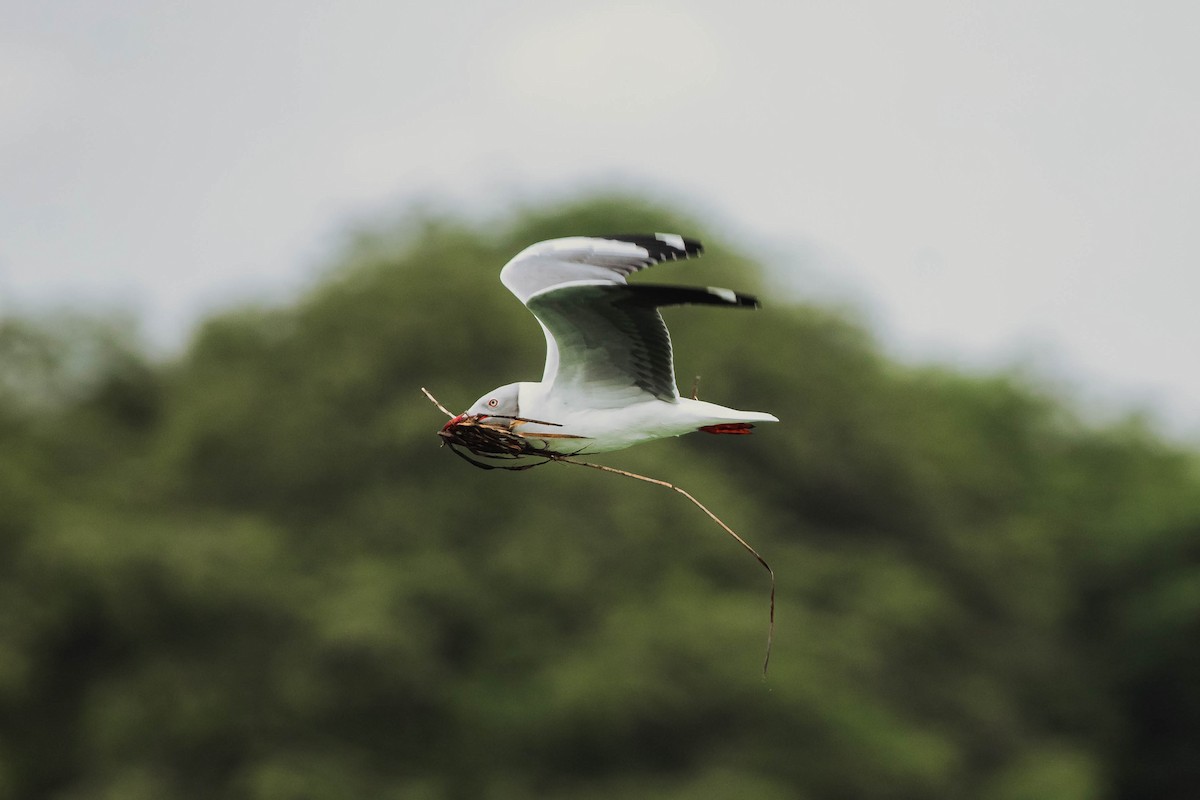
{"x":990,"y":181}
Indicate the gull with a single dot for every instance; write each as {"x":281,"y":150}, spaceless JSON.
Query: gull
{"x":609,"y":380}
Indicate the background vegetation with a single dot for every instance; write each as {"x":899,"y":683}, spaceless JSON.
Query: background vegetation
{"x":251,"y":573}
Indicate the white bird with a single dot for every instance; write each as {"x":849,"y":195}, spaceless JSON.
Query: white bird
{"x":609,"y":380}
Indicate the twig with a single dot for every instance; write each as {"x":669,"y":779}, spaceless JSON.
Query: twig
{"x":434,"y":400}
{"x":500,"y":442}
{"x":714,"y":518}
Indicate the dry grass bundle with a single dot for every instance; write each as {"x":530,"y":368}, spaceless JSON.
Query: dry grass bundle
{"x":500,"y":442}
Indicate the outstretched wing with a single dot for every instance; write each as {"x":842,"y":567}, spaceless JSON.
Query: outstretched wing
{"x":606,"y":343}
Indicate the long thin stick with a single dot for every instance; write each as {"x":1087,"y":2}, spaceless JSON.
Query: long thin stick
{"x":552,"y":456}
{"x":714,"y":518}
{"x":434,"y":400}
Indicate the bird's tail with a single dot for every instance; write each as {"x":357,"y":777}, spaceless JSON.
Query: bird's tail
{"x":711,"y":415}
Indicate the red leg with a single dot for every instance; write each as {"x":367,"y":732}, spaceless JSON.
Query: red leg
{"x":734,"y":428}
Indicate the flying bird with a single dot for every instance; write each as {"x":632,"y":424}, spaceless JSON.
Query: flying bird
{"x":609,"y":380}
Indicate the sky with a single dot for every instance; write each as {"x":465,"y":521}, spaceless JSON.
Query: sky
{"x":990,"y":183}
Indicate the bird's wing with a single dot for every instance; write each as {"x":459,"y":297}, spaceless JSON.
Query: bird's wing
{"x":606,"y":343}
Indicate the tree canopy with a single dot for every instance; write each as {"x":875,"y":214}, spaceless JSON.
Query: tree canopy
{"x":249,"y":572}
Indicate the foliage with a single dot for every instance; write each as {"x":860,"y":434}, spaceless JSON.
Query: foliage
{"x":250,"y":573}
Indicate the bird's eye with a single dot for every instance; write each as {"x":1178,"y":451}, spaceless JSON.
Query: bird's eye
{"x":493,"y":403}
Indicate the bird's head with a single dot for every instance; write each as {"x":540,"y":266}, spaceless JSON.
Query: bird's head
{"x":500,"y":402}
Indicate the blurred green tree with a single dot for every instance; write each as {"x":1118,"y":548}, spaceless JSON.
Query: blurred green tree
{"x":248,"y":572}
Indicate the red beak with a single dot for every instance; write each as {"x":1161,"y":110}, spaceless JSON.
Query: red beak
{"x":461,"y":417}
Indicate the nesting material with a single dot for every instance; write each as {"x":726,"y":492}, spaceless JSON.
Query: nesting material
{"x":473,"y":437}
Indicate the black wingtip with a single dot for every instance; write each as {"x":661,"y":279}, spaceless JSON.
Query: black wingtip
{"x":659,"y":295}
{"x":732,"y":298}
{"x":748,"y":300}
{"x":662,"y":246}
